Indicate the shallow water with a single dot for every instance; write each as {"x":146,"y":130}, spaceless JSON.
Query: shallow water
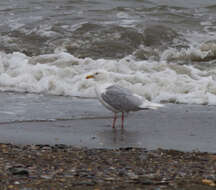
{"x":163,"y":50}
{"x":33,"y":119}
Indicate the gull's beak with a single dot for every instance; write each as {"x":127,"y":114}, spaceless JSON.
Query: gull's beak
{"x":90,"y":77}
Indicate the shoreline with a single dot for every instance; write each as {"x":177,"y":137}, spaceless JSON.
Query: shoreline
{"x":37,"y":119}
{"x":74,"y":147}
{"x":65,"y":167}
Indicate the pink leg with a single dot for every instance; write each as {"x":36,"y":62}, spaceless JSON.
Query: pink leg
{"x":122,"y":126}
{"x":114,"y":121}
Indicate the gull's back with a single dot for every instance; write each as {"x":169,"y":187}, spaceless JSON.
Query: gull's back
{"x":121,"y":99}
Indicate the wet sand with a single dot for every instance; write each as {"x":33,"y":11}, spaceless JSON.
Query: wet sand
{"x":37,"y":119}
{"x":50,"y":142}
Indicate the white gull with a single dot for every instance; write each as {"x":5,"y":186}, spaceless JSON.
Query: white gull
{"x":118,"y":99}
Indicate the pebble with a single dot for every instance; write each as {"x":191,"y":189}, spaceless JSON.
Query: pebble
{"x":209,"y":182}
{"x":17,"y":170}
{"x":63,"y":167}
{"x":132,"y":175}
{"x":46,"y":177}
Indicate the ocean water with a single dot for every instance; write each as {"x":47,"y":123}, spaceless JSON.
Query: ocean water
{"x":164,"y":50}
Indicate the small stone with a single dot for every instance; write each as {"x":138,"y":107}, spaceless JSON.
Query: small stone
{"x":45,"y":148}
{"x":121,"y":173}
{"x":61,"y":146}
{"x":209,"y":182}
{"x":46,"y":176}
{"x":62,"y":180}
{"x":17,"y":170}
{"x":147,"y":182}
{"x":132,"y":175}
{"x":109,"y":179}
{"x":90,"y":183}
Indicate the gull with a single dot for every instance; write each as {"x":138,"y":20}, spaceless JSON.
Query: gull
{"x":117,"y":98}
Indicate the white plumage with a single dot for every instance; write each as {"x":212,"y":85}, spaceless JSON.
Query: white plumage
{"x":119,"y":99}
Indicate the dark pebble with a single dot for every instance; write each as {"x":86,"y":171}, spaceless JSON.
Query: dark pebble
{"x":16,"y":170}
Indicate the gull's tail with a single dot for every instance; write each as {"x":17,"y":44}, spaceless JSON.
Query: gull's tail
{"x":150,"y":105}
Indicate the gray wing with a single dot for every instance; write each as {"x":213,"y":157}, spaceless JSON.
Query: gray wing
{"x":121,"y":99}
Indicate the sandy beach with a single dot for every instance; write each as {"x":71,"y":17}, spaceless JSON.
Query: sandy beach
{"x":68,"y":143}
{"x":54,"y":133}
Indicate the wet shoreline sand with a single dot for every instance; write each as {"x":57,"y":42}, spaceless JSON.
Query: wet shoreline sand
{"x":50,"y":142}
{"x":39,"y":119}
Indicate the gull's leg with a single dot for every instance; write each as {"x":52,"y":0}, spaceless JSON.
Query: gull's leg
{"x":114,"y":120}
{"x":122,"y":126}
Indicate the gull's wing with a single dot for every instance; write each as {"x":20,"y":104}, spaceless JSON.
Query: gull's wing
{"x":121,"y":99}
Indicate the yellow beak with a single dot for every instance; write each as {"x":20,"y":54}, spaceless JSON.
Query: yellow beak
{"x":90,"y":76}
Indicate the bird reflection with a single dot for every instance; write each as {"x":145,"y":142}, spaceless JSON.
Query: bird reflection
{"x":118,"y":138}
{"x":116,"y":135}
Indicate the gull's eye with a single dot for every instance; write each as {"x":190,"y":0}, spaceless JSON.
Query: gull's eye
{"x":96,"y":73}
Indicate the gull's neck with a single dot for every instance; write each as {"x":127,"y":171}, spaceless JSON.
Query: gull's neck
{"x":101,"y":88}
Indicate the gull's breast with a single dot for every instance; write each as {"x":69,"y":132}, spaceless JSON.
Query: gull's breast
{"x":102,"y":90}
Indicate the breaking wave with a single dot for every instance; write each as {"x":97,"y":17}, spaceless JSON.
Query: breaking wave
{"x":62,"y":73}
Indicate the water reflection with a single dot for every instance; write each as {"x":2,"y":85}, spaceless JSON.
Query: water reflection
{"x":119,"y":138}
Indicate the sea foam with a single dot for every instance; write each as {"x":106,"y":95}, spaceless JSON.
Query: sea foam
{"x":61,"y":73}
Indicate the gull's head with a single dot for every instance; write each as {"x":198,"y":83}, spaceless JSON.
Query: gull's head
{"x":98,"y":76}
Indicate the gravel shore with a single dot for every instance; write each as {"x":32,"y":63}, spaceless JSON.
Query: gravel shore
{"x":34,"y":167}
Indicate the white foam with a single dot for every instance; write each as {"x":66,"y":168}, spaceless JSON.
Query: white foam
{"x":122,"y":15}
{"x":192,"y":53}
{"x":63,"y":74}
{"x":197,"y":51}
